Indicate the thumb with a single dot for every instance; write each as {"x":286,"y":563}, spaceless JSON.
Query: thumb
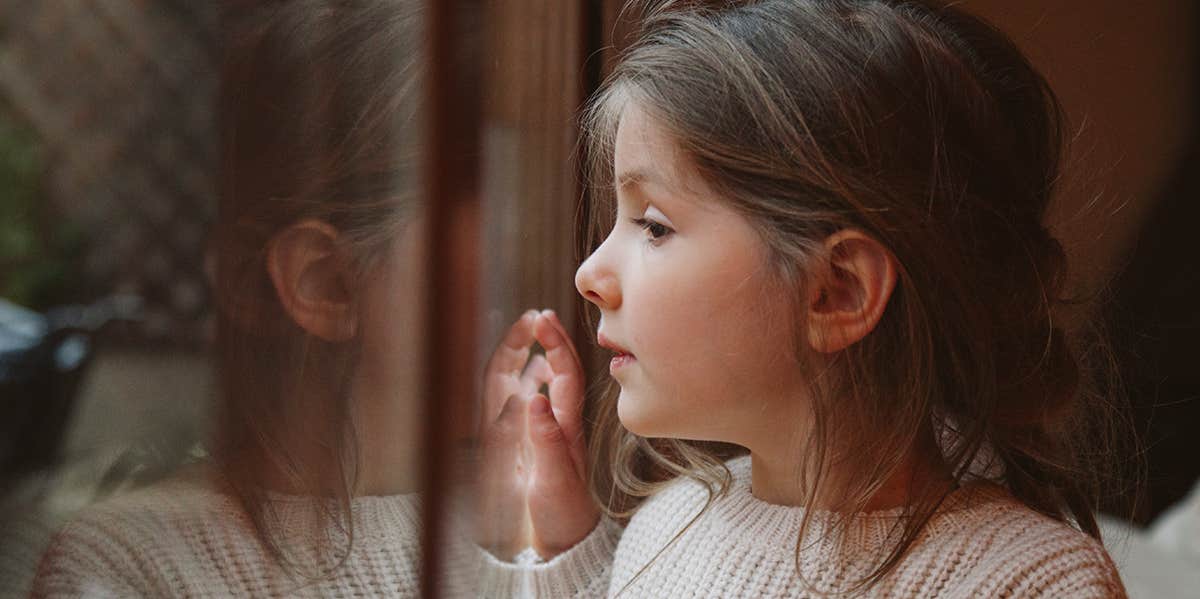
{"x":554,"y":469}
{"x":507,"y":427}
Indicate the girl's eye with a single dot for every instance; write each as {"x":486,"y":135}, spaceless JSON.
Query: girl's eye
{"x":657,"y":231}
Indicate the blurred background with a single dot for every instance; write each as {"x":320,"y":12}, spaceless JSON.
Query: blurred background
{"x":108,"y":173}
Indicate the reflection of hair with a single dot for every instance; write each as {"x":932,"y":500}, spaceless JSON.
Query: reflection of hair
{"x":927,"y":129}
{"x":316,"y":107}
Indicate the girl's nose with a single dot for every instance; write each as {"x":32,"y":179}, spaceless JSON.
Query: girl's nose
{"x":597,"y":283}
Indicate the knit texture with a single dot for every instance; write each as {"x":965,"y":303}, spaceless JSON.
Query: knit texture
{"x":185,"y":539}
{"x":981,"y":543}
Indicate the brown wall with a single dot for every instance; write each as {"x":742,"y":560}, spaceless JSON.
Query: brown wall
{"x":1123,"y":71}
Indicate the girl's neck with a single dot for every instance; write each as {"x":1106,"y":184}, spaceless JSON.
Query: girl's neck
{"x":387,"y":458}
{"x":387,"y":466}
{"x":386,"y":434}
{"x":775,"y":479}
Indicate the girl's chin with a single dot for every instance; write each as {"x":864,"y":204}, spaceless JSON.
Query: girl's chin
{"x":627,"y":412}
{"x":644,"y":417}
{"x":632,"y":412}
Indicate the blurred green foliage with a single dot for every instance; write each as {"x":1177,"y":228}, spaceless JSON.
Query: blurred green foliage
{"x":39,"y":251}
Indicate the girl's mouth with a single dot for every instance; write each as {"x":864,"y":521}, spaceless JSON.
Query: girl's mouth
{"x":621,"y":356}
{"x":620,"y":360}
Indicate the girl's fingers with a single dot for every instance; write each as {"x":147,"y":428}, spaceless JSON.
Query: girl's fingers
{"x":513,"y":350}
{"x":502,"y":375}
{"x":552,"y":316}
{"x":537,"y":373}
{"x":567,"y":386}
{"x":561,"y":508}
{"x":502,"y":523}
{"x":509,"y":425}
{"x":554,"y":468}
{"x":560,"y":352}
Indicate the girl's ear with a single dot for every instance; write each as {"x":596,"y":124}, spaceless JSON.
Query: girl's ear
{"x":848,"y":298}
{"x":313,"y":280}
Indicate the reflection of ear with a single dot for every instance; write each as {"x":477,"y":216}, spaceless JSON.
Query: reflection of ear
{"x":313,"y":279}
{"x":847,"y":302}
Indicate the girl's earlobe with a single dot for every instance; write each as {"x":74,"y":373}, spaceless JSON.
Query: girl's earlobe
{"x":313,"y":280}
{"x":848,"y":297}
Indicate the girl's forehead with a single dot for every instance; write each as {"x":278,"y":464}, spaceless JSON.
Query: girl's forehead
{"x":647,"y":158}
{"x":643,"y":149}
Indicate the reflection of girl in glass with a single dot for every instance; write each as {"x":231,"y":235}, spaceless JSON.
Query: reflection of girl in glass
{"x":818,"y":240}
{"x":309,"y":485}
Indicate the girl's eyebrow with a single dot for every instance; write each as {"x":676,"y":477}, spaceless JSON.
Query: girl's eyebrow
{"x":635,"y":177}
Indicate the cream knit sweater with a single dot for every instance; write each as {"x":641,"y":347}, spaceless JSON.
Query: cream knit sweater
{"x":982,"y":543}
{"x":185,"y":540}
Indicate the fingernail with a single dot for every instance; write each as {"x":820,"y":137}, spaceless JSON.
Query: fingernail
{"x":529,"y":314}
{"x":539,"y":404}
{"x":548,"y":313}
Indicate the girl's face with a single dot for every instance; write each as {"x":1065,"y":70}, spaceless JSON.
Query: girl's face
{"x":703,"y":335}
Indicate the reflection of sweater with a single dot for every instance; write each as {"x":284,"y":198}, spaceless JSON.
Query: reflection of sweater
{"x":183,"y":539}
{"x":982,"y":543}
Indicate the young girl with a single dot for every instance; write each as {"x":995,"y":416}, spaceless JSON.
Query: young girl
{"x":823,"y":252}
{"x":310,"y":489}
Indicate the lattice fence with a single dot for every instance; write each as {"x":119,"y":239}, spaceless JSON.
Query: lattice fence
{"x":122,"y":94}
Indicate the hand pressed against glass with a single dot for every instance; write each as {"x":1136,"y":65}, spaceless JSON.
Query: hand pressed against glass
{"x":533,"y":469}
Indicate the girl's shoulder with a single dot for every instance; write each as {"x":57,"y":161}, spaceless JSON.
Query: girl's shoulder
{"x":986,"y":514}
{"x":981,"y":542}
{"x":988,"y":541}
{"x":125,"y":543}
{"x":188,"y":536}
{"x":158,"y":511}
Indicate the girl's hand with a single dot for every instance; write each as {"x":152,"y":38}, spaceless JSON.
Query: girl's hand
{"x":561,"y":509}
{"x":534,"y":482}
{"x":501,"y":513}
{"x":502,"y":378}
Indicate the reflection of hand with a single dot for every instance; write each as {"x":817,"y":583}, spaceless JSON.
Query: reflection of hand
{"x":533,"y":471}
{"x":560,"y":507}
{"x":501,"y":512}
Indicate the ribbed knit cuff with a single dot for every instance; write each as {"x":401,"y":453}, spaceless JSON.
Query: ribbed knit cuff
{"x":582,"y":570}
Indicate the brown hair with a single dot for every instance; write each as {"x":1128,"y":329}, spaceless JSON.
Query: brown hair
{"x":926,"y":128}
{"x":317,"y":106}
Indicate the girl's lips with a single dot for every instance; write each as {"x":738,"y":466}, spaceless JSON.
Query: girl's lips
{"x":619,"y":361}
{"x":608,"y":344}
{"x":622,"y":356}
